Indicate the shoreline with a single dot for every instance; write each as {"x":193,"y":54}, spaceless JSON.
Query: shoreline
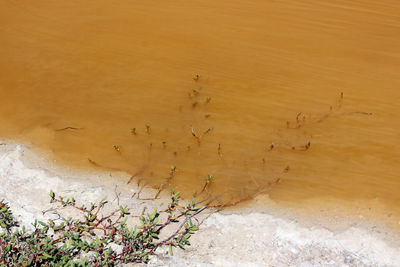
{"x":249,"y":236}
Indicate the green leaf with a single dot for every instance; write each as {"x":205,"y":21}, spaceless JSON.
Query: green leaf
{"x":153,"y":215}
{"x":52,"y":195}
{"x":47,"y":256}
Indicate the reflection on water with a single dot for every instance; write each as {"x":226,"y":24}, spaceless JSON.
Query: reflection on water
{"x":115,"y":85}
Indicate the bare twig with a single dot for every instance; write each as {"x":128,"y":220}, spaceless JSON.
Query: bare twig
{"x":69,"y":128}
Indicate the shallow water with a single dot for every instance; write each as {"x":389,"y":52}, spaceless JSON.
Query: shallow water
{"x":76,"y":78}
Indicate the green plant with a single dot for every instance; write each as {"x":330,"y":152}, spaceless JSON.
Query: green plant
{"x":148,"y":128}
{"x":95,"y":239}
{"x":209,"y":180}
{"x":117,"y":147}
{"x":6,"y":218}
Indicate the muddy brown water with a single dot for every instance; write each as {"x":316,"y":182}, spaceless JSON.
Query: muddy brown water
{"x":75,"y":78}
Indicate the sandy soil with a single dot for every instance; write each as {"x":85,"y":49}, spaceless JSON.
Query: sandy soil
{"x":251,"y":237}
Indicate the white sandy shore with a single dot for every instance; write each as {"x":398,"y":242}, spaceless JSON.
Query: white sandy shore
{"x":238,"y":239}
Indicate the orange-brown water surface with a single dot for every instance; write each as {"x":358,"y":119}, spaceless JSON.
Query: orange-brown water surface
{"x":303,"y":91}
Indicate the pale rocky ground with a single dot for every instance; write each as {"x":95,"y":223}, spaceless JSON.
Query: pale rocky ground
{"x":241,"y":238}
